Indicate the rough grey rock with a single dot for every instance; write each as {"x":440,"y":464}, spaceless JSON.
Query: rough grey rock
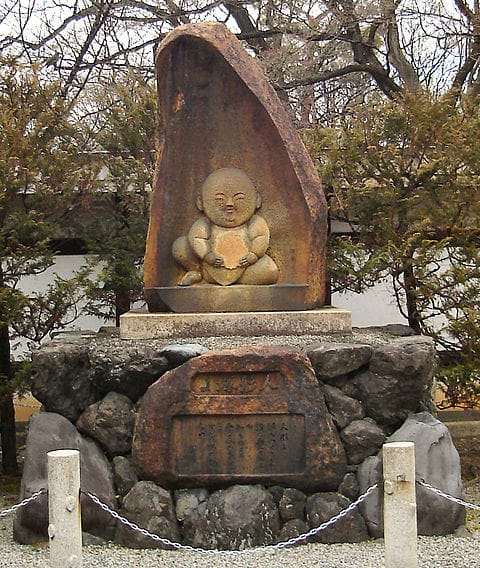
{"x":48,"y":432}
{"x":92,"y":540}
{"x":292,"y":529}
{"x":335,"y":359}
{"x":124,"y":475}
{"x":349,"y":486}
{"x":276,"y":492}
{"x":361,"y":438}
{"x":190,"y":508}
{"x":323,"y":506}
{"x":60,"y":376}
{"x":344,"y":409}
{"x":369,"y":473}
{"x":151,"y":507}
{"x":242,"y":516}
{"x":188,"y":503}
{"x":110,"y":422}
{"x":177,"y":354}
{"x":395,"y":329}
{"x":399,"y":380}
{"x":126,"y":369}
{"x":349,"y":387}
{"x":292,"y":505}
{"x":436,"y":462}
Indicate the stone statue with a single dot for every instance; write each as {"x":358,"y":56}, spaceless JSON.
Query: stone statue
{"x":228,"y":243}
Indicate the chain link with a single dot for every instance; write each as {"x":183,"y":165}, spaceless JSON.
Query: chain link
{"x":290,"y":542}
{"x":447,"y":496}
{"x":26,"y":501}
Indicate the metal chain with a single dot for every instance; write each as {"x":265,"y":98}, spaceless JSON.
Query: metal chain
{"x":290,"y":542}
{"x":447,"y":496}
{"x":26,"y":501}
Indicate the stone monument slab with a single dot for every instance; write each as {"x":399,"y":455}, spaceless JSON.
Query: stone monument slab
{"x":145,"y":325}
{"x":236,"y":199}
{"x":247,"y":415}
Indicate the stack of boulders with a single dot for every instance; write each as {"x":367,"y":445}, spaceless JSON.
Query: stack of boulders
{"x":91,"y":387}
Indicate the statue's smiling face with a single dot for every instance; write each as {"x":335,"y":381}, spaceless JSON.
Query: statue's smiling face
{"x":229,"y":198}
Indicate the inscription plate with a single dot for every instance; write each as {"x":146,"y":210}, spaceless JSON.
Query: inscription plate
{"x":239,"y":445}
{"x":245,"y":383}
{"x":248,"y":415}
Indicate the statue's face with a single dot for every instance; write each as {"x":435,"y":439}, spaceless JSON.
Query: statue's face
{"x":229,"y":198}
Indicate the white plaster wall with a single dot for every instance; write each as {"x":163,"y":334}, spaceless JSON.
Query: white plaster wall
{"x":374,"y":307}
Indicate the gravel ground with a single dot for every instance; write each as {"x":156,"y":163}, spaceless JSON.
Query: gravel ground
{"x":433,"y":552}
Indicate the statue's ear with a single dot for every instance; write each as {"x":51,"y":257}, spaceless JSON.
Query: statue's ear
{"x":258,"y":203}
{"x":200,"y":202}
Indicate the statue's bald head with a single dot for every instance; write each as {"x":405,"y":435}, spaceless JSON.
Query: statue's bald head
{"x":229,"y":197}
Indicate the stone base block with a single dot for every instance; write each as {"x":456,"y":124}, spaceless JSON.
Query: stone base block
{"x":144,"y":325}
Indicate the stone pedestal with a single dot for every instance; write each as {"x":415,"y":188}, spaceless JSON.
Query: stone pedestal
{"x":144,"y":325}
{"x":247,"y":415}
{"x":208,"y":417}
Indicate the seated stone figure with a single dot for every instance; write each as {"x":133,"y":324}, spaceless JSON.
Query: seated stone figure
{"x":228,"y":243}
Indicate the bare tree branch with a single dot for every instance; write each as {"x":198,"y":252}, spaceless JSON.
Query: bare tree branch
{"x":395,"y":50}
{"x":322,"y":77}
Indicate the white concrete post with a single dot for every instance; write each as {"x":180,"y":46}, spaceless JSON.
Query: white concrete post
{"x":65,"y":525}
{"x":400,"y":508}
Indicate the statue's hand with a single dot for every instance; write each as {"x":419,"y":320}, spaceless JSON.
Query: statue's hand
{"x":248,"y":259}
{"x":214,"y":260}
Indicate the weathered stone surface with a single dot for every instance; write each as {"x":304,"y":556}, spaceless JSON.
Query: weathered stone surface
{"x":292,"y":529}
{"x":110,"y":422}
{"x":396,"y":329}
{"x":323,"y":506}
{"x":191,"y":506}
{"x":399,"y":379}
{"x":177,"y":354}
{"x":361,"y":438}
{"x":61,"y":377}
{"x":276,"y":491}
{"x":151,"y":507}
{"x":436,"y":462}
{"x":92,"y":540}
{"x":124,"y":475}
{"x":349,"y":486}
{"x":292,"y":505}
{"x":48,"y":432}
{"x":335,"y":359}
{"x":344,"y":409}
{"x":242,"y":516}
{"x":142,"y":325}
{"x":128,"y":370}
{"x":190,"y":503}
{"x":217,"y":110}
{"x":244,"y":415}
{"x":369,"y":473}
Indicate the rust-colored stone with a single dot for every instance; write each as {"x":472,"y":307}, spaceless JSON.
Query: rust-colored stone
{"x":217,"y":110}
{"x":247,"y":415}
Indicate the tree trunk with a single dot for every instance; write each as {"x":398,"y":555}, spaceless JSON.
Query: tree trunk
{"x":122,"y":304}
{"x":410,"y":286}
{"x":7,"y":410}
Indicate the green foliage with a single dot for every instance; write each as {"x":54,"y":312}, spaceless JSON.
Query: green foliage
{"x":405,"y":176}
{"x":116,"y":235}
{"x":42,"y":176}
{"x":460,"y":384}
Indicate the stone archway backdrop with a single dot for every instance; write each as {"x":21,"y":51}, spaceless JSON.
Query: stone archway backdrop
{"x":216,"y":110}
